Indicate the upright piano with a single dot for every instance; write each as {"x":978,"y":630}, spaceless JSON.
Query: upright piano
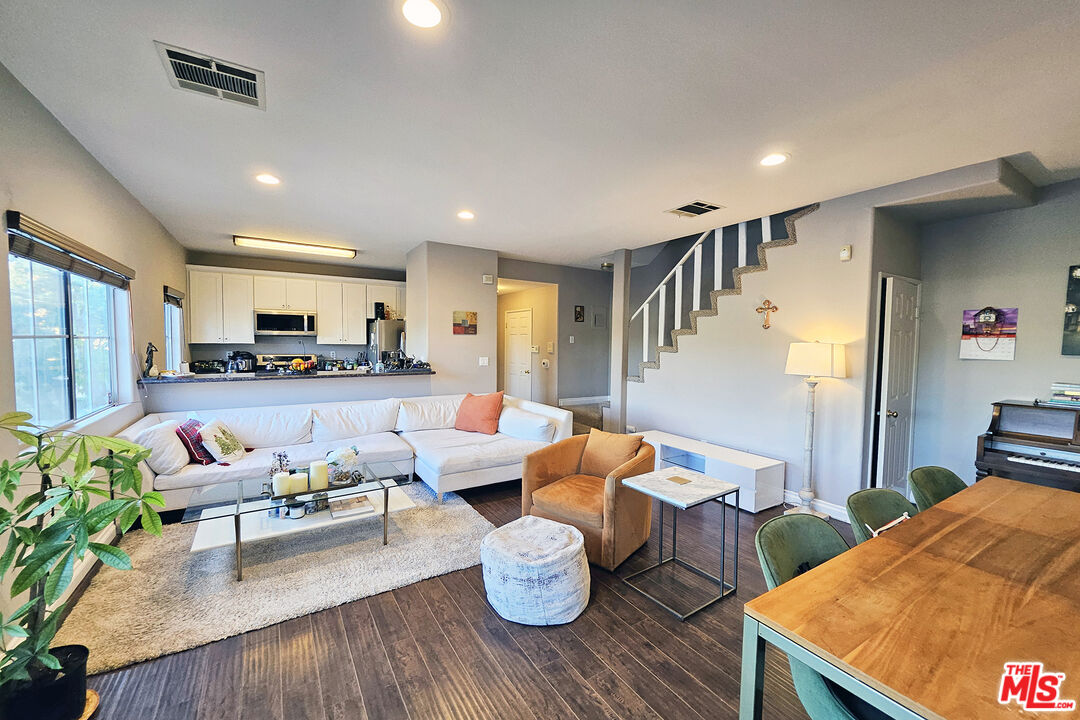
{"x":1035,"y":442}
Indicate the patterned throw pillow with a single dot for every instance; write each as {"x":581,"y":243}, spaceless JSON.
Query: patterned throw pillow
{"x":189,"y":435}
{"x":221,"y":442}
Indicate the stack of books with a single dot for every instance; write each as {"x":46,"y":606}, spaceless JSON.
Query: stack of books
{"x":1065,"y":393}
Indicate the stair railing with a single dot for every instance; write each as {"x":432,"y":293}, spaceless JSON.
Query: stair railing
{"x":661,"y":289}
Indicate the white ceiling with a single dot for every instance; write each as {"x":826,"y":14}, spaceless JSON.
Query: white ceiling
{"x":568,"y":127}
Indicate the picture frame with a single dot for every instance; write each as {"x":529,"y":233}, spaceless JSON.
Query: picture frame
{"x":579,"y":313}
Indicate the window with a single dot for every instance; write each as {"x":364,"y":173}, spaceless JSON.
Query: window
{"x":174,"y":334}
{"x":63,"y":340}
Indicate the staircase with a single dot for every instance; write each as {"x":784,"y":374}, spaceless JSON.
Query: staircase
{"x":715,"y":264}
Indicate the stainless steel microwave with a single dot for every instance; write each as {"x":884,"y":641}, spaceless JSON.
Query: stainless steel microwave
{"x":283,"y":322}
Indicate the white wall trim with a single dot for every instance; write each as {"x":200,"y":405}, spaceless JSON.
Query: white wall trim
{"x":836,"y":512}
{"x":584,"y":400}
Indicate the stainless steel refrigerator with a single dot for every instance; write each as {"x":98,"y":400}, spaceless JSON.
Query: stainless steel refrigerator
{"x":384,"y":336}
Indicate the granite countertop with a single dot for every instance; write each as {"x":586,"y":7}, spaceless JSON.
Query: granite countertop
{"x":248,"y":377}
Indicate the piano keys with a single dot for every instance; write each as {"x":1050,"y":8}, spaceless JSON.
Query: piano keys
{"x":1032,"y":442}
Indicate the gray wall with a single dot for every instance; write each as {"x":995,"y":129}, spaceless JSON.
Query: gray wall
{"x":454,"y":282}
{"x":583,"y":365}
{"x":1015,"y":258}
{"x":544,"y":303}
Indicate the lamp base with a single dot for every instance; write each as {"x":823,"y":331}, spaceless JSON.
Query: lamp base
{"x":803,"y":510}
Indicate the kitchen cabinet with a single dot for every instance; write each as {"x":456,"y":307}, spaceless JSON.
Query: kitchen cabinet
{"x":220,"y":308}
{"x":390,"y":295}
{"x":341,"y":313}
{"x":204,"y":320}
{"x":237,"y":309}
{"x":281,"y":293}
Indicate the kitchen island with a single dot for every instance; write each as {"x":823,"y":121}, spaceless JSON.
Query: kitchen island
{"x":227,"y":390}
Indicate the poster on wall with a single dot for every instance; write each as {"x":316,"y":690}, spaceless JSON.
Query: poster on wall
{"x":464,"y":322}
{"x":989,"y":334}
{"x":1070,"y":335}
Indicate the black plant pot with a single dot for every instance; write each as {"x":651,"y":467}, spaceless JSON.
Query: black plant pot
{"x":53,"y":695}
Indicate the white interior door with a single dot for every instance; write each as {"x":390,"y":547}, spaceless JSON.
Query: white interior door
{"x":896,"y":405}
{"x":519,"y":354}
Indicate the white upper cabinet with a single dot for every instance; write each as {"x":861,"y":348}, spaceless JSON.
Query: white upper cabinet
{"x":269,"y":293}
{"x":204,"y":318}
{"x":354,"y":303}
{"x":280,"y":293}
{"x":329,"y":309}
{"x":390,"y":295}
{"x":341,"y":313}
{"x":237,"y":309}
{"x":300,"y":295}
{"x":220,"y":308}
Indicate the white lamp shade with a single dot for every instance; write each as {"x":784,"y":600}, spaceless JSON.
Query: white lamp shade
{"x":817,"y":359}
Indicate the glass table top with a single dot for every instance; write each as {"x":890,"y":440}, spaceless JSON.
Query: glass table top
{"x":238,"y":497}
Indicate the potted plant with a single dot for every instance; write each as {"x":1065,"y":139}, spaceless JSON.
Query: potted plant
{"x":48,"y":518}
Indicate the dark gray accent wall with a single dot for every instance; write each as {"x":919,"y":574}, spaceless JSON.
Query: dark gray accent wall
{"x":248,"y":262}
{"x":583,"y":365}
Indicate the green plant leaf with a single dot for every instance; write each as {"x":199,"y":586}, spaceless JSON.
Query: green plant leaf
{"x":15,"y":631}
{"x":154,"y":498}
{"x":24,"y":437}
{"x":9,"y":554}
{"x":103,"y":514}
{"x":12,"y":419}
{"x":111,"y":556}
{"x":60,"y":577}
{"x":47,"y":506}
{"x":35,"y":566}
{"x":82,"y":538}
{"x":128,"y":517}
{"x":28,"y":502}
{"x":48,"y":660}
{"x":115,"y":444}
{"x":25,"y":608}
{"x":151,"y":521}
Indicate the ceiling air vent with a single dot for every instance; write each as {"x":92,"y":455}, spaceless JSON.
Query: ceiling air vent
{"x":694,"y":209}
{"x":225,"y":80}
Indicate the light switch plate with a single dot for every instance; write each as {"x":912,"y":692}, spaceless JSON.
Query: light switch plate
{"x":551,"y":347}
{"x":571,"y":339}
{"x":483,"y":361}
{"x":488,"y":279}
{"x":534,"y":348}
{"x":845,"y":253}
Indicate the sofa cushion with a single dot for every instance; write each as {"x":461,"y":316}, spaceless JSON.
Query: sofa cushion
{"x":380,"y":447}
{"x":167,"y":453}
{"x":221,"y":442}
{"x":479,"y":413}
{"x":346,"y":420}
{"x":449,"y":451}
{"x":428,"y":413}
{"x":264,"y":427}
{"x":526,"y":425}
{"x":606,"y":451}
{"x":578,"y":498}
{"x":188,"y":432}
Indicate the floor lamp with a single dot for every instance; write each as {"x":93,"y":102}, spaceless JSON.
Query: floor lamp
{"x":814,"y":361}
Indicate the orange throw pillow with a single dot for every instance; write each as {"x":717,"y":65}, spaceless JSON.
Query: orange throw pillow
{"x":480,"y":413}
{"x":606,"y":451}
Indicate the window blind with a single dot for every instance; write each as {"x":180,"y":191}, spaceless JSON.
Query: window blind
{"x":31,"y":239}
{"x":174,"y":297}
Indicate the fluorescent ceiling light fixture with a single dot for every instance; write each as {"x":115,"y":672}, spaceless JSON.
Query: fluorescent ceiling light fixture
{"x":296,"y":247}
{"x":268,"y":179}
{"x":422,"y":13}
{"x":774,"y":159}
{"x":466,"y":215}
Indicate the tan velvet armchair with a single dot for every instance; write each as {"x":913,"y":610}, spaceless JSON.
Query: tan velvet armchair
{"x":614,"y":519}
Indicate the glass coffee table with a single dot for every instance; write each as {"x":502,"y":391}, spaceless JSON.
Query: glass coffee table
{"x":235,"y":512}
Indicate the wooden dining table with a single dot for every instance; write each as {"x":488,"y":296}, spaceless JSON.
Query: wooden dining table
{"x":921,"y":620}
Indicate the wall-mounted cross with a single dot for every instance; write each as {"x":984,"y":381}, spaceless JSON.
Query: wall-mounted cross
{"x":767,"y":308}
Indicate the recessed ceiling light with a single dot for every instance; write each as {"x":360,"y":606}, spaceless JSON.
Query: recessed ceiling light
{"x":422,"y":13}
{"x":774,"y":159}
{"x":268,"y":179}
{"x":466,"y":215}
{"x":289,"y":246}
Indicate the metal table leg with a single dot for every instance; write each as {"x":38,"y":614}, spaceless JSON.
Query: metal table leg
{"x":753,"y":670}
{"x":385,"y":512}
{"x":239,"y":548}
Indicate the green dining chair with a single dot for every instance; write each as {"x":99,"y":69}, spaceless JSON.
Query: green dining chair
{"x":932,"y":484}
{"x":787,"y":546}
{"x":875,"y":507}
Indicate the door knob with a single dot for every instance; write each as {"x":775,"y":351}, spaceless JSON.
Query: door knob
{"x":526,"y":372}
{"x":892,"y":413}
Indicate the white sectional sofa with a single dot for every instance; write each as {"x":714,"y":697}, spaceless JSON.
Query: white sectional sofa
{"x":416,"y":433}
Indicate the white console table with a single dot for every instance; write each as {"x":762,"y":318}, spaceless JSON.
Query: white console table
{"x":760,"y":479}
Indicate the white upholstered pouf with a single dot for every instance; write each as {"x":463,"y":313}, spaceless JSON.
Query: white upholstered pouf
{"x":535,"y":571}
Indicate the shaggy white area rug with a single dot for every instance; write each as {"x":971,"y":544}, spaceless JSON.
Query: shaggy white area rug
{"x":174,"y":599}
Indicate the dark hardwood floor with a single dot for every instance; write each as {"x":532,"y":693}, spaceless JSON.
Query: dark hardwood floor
{"x":436,"y":650}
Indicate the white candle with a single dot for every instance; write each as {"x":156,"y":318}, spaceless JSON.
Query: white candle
{"x":298,"y":483}
{"x":319,"y":475}
{"x":282,"y":484}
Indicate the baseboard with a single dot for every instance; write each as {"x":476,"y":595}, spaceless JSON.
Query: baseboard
{"x":836,"y":512}
{"x":584,"y":400}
